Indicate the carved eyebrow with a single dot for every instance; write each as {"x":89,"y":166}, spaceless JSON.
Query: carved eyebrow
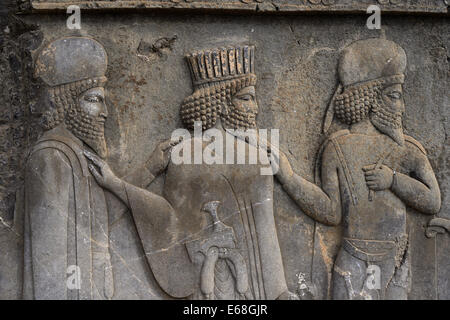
{"x":246,"y":94}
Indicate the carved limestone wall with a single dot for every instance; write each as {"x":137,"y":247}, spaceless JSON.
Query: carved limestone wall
{"x":296,"y":65}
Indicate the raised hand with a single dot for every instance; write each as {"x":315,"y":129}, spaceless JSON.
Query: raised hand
{"x":378,"y":177}
{"x":285,"y":170}
{"x":101,"y":171}
{"x":160,"y":157}
{"x":281,"y":166}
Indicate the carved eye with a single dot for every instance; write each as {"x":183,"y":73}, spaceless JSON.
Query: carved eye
{"x":93,"y":99}
{"x":246,"y":97}
{"x":394,"y":95}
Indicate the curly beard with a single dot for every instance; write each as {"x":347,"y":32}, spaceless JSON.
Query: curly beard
{"x":89,"y":129}
{"x":236,"y":119}
{"x":357,"y":102}
{"x":388,"y":122}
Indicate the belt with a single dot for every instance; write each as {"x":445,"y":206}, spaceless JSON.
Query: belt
{"x":376,"y":250}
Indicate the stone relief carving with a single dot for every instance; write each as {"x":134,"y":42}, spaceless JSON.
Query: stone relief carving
{"x":368,"y":173}
{"x":437,"y":225}
{"x":65,"y":212}
{"x":212,"y":233}
{"x":232,"y":253}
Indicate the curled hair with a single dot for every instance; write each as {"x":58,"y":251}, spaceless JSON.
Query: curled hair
{"x":209,"y":101}
{"x":360,"y":100}
{"x":356,"y":102}
{"x":63,"y":98}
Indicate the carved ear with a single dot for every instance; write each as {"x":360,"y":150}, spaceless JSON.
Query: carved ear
{"x":329,"y":115}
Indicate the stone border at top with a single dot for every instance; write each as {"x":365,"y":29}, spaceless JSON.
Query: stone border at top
{"x":286,"y":6}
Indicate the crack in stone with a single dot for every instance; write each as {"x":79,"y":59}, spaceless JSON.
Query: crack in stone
{"x":208,"y":227}
{"x":8,"y":226}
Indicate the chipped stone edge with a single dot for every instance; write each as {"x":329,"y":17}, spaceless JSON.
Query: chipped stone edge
{"x":237,"y":6}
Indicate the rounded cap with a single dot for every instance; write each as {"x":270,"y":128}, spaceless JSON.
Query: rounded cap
{"x":71,"y":59}
{"x":371,"y":59}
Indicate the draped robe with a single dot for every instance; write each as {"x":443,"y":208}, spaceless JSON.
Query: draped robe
{"x":66,"y":237}
{"x":168,"y":229}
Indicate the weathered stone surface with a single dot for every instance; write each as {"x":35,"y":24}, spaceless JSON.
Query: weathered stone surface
{"x":296,"y":61}
{"x":423,"y":6}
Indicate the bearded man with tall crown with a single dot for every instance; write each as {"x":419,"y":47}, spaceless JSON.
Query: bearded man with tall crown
{"x":219,"y":238}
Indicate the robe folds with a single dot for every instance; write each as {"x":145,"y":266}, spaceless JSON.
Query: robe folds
{"x":172,"y":226}
{"x":66,"y":240}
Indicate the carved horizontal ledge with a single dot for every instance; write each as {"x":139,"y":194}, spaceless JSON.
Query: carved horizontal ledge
{"x":344,"y":6}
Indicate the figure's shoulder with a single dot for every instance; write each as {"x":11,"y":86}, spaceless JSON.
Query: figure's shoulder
{"x":328,"y":148}
{"x":414,"y":145}
{"x":48,"y":163}
{"x":327,"y":151}
{"x":54,"y":149}
{"x":59,"y":138}
{"x":47,"y":155}
{"x":338,"y":136}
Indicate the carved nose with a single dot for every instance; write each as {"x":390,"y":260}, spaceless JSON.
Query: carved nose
{"x":104,"y":112}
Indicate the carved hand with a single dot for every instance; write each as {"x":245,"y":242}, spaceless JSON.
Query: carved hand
{"x":160,"y":157}
{"x":440,"y":222}
{"x":378,"y":177}
{"x":282,"y":168}
{"x":101,"y":171}
{"x":437,"y":226}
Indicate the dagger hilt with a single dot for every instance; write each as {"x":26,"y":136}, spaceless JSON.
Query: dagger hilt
{"x":211,"y":207}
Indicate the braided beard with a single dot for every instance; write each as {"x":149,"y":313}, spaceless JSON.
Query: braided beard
{"x":88,"y":128}
{"x":236,"y":119}
{"x":388,"y":122}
